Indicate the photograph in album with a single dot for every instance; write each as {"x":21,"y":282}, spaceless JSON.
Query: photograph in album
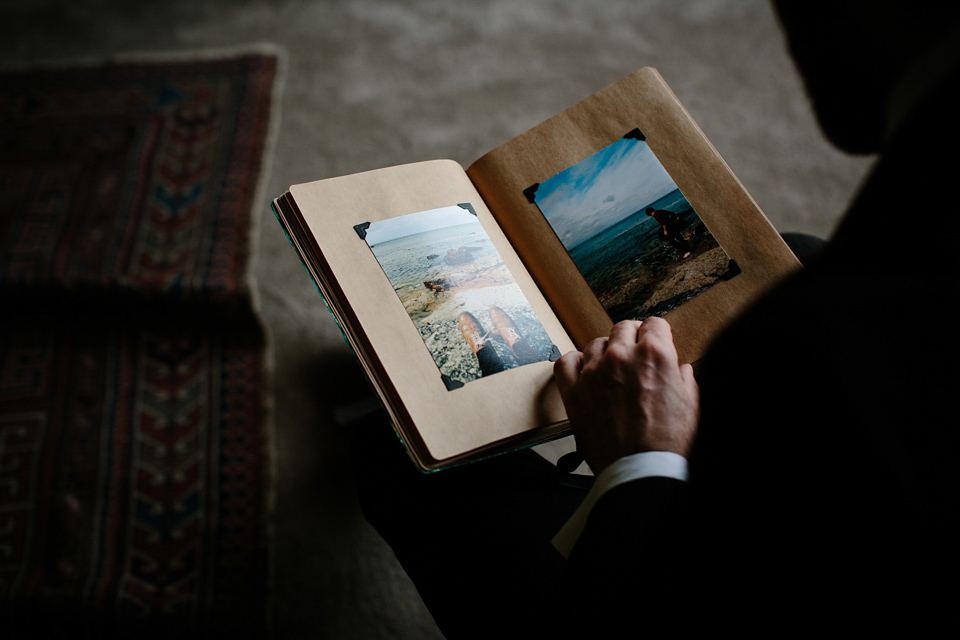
{"x":633,"y":235}
{"x":454,"y":285}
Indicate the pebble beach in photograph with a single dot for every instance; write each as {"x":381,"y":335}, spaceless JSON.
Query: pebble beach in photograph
{"x":440,"y":273}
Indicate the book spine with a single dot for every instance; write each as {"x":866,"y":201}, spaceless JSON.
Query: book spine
{"x":343,"y":333}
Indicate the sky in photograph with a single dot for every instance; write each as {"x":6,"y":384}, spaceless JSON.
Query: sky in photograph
{"x":408,"y":225}
{"x":602,"y":190}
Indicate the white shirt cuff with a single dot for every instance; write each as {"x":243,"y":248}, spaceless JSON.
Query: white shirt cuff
{"x":662,"y":464}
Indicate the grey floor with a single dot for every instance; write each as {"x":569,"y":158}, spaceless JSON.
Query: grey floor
{"x":372,"y":83}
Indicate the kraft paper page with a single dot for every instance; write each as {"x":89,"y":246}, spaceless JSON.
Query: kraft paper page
{"x":449,"y":422}
{"x":644,"y":103}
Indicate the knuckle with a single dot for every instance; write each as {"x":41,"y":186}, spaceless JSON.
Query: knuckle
{"x":652,"y":351}
{"x":656,"y":324}
{"x":596,"y":342}
{"x":618,"y":356}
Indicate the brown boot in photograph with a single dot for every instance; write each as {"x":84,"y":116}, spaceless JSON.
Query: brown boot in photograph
{"x":479,"y":343}
{"x":472,"y":331}
{"x":508,"y":330}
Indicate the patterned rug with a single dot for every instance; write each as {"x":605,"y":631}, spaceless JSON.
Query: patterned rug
{"x":138,"y":176}
{"x":134,"y":466}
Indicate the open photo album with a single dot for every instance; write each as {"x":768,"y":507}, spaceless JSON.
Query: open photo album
{"x":457,"y":289}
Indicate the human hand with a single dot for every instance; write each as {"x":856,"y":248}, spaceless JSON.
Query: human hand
{"x":627,"y":394}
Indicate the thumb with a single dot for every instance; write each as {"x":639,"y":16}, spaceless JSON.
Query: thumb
{"x":566,"y":370}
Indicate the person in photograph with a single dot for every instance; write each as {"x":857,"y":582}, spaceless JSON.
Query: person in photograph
{"x":670,"y":229}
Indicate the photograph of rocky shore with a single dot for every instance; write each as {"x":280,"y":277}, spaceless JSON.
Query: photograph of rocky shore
{"x":454,"y":285}
{"x":633,"y":235}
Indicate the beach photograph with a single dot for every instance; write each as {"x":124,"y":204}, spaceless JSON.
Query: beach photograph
{"x":457,"y":290}
{"x":633,"y":235}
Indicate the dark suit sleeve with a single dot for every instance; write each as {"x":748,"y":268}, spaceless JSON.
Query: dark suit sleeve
{"x":624,"y":517}
{"x":819,"y":471}
{"x":631,"y":551}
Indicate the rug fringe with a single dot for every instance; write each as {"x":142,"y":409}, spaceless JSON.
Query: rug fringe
{"x":127,"y":57}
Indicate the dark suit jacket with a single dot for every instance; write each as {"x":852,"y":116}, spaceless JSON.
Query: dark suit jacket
{"x":823,"y":480}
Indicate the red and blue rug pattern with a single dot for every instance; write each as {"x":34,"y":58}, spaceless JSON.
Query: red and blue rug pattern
{"x":132,"y":175}
{"x":134,"y":460}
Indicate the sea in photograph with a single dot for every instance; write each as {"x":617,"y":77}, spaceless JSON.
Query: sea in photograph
{"x":439,"y":273}
{"x":636,"y":272}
